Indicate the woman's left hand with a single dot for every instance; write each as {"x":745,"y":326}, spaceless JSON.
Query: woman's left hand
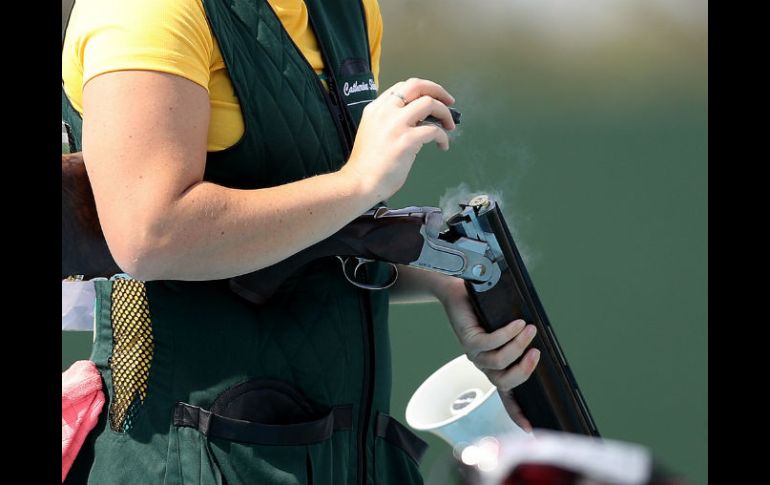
{"x":493,"y":353}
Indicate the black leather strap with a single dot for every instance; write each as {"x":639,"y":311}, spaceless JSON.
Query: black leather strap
{"x":399,"y":435}
{"x":217,"y":426}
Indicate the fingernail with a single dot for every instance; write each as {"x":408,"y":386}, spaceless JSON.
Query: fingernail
{"x":530,"y":331}
{"x":536,"y":357}
{"x":518,"y":323}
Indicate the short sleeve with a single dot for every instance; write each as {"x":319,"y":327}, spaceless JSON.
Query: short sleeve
{"x":374,"y":27}
{"x":170,"y":36}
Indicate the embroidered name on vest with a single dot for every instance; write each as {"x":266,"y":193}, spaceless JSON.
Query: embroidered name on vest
{"x":357,"y":87}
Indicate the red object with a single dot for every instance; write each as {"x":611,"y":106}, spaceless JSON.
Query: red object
{"x":82,"y":400}
{"x":540,"y":474}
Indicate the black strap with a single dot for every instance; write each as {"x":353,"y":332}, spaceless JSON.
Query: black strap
{"x":399,"y":435}
{"x":217,"y":426}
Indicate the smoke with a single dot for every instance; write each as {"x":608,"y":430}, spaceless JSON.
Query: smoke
{"x":494,"y":169}
{"x":453,"y":197}
{"x":449,"y":203}
{"x":515,"y":157}
{"x":453,"y":135}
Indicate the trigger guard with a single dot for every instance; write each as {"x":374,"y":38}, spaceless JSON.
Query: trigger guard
{"x":361,"y":262}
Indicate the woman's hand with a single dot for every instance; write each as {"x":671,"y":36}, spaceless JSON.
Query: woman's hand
{"x":390,"y":134}
{"x":493,"y":353}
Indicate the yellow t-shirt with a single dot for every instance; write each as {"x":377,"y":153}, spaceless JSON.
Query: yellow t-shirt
{"x":173,"y":36}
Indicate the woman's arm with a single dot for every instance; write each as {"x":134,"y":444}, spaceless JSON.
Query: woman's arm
{"x":416,"y":285}
{"x":144,"y":143}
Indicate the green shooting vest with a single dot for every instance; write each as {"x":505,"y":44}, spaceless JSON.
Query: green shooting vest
{"x":204,"y":387}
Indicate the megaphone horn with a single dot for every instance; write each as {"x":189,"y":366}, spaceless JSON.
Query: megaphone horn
{"x":458,"y":404}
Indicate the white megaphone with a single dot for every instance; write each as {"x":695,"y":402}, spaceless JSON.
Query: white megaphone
{"x":458,"y":404}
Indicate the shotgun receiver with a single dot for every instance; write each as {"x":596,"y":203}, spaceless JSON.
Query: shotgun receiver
{"x":409,"y":236}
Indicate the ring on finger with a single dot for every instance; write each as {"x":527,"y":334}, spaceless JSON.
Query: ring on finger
{"x":400,"y":96}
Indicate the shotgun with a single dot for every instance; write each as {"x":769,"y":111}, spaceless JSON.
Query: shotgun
{"x":475,"y":246}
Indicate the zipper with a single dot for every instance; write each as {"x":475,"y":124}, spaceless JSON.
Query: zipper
{"x":343,"y":122}
{"x":345,"y":125}
{"x":340,"y":112}
{"x":367,"y":392}
{"x":344,"y":128}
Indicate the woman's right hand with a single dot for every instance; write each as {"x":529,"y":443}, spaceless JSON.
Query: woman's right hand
{"x":390,"y":134}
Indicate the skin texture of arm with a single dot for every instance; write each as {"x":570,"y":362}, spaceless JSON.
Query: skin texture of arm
{"x":145,"y":152}
{"x":418,"y":286}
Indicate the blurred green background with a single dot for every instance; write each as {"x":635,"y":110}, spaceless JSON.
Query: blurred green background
{"x":589,"y":120}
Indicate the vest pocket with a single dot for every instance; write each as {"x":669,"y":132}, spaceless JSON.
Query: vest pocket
{"x":259,"y":432}
{"x":397,"y":453}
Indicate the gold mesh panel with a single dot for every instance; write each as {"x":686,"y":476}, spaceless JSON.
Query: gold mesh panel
{"x":132,"y":348}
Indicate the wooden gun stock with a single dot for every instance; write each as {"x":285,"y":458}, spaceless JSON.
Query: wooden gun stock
{"x":395,"y":240}
{"x":83,"y":247}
